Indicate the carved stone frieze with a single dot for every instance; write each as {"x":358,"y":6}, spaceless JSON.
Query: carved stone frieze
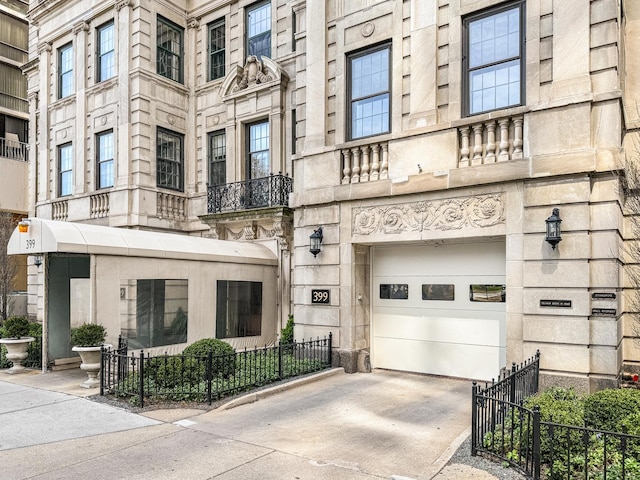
{"x":252,"y":74}
{"x":451,"y":214}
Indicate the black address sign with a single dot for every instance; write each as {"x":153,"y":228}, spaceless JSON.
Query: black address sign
{"x":320,"y":296}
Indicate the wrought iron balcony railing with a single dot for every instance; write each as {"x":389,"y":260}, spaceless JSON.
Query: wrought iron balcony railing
{"x":263,"y":192}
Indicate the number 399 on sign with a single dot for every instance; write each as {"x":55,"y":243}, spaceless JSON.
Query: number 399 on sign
{"x":320,"y":296}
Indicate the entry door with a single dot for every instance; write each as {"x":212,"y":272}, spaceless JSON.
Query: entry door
{"x":440,"y":310}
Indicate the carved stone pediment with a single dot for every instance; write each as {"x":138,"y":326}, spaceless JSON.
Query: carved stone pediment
{"x":255,"y":74}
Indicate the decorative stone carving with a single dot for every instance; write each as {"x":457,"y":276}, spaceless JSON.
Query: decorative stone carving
{"x":193,"y":23}
{"x":452,"y":214}
{"x":80,"y":27}
{"x":367,"y":29}
{"x":252,"y":74}
{"x":121,"y":4}
{"x":44,"y":47}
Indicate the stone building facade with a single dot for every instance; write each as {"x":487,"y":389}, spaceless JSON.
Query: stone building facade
{"x":429,"y":139}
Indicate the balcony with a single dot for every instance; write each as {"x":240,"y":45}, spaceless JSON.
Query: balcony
{"x":13,"y":149}
{"x":271,"y":191}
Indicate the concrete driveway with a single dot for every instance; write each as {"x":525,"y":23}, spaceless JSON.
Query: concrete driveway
{"x":358,"y":426}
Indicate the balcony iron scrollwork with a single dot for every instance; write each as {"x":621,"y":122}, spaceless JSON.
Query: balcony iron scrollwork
{"x":263,"y":192}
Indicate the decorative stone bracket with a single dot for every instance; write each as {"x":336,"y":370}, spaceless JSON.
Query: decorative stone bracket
{"x":255,"y":74}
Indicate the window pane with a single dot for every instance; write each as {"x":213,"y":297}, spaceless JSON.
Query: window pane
{"x":485,"y":96}
{"x":154,"y":312}
{"x":259,"y":30}
{"x":487,"y":293}
{"x":397,"y":291}
{"x":65,"y":77}
{"x":65,"y":168}
{"x":370,"y":116}
{"x":106,"y":56}
{"x":105,"y":160}
{"x":438,"y":292}
{"x":169,"y":50}
{"x":216,"y":50}
{"x":169,"y":160}
{"x":217,"y":158}
{"x":238,"y":309}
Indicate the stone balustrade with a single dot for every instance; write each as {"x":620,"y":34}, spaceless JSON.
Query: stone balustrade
{"x":495,"y":140}
{"x":365,"y":163}
{"x":60,"y":210}
{"x":171,"y":206}
{"x":99,"y":205}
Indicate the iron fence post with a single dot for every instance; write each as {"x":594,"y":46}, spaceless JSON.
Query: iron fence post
{"x":209,"y":374}
{"x":512,"y":383}
{"x":474,"y":419}
{"x":330,"y":359}
{"x":141,"y":373}
{"x":536,"y":442}
{"x":102,"y":355}
{"x":279,"y":361}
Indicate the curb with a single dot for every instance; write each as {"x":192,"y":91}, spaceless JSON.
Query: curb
{"x":267,"y":392}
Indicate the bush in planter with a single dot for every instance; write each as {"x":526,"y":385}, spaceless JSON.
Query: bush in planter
{"x":16,"y":327}
{"x":88,"y":335}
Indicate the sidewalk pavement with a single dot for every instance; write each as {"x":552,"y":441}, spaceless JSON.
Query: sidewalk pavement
{"x":50,"y":408}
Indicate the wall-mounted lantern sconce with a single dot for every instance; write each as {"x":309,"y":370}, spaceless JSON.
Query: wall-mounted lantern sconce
{"x":37,"y":261}
{"x":23,"y":225}
{"x":315,"y":241}
{"x":553,"y":228}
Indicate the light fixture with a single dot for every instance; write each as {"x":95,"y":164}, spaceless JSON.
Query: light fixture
{"x":37,"y":261}
{"x":553,"y":228}
{"x":23,"y":225}
{"x":315,"y":241}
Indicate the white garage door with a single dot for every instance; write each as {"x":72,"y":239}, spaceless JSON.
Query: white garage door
{"x":440,"y":310}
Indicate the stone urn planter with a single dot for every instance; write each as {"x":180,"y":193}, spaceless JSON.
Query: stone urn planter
{"x":17,"y":340}
{"x":88,"y":340}
{"x":16,"y":352}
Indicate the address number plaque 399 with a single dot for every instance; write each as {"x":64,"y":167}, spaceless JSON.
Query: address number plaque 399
{"x":320,"y":296}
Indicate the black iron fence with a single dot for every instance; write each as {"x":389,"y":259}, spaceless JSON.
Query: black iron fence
{"x":144,"y":378}
{"x":270,"y":191}
{"x":503,"y":428}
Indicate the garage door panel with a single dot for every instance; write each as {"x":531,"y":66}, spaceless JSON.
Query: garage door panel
{"x":438,"y":329}
{"x":454,"y":360}
{"x":430,"y":331}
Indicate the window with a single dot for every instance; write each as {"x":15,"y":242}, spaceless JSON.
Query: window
{"x":217,"y":158}
{"x":104,"y":160}
{"x":493,"y":59}
{"x":258,"y":165}
{"x":369,"y":93}
{"x":169,"y":53}
{"x":106,"y":52}
{"x":169,"y":159}
{"x":259,"y":30}
{"x":154,"y":312}
{"x":239,"y":309}
{"x":396,"y":291}
{"x":216,"y":49}
{"x":487,"y":293}
{"x":65,"y":169}
{"x":65,"y":71}
{"x":438,"y":291}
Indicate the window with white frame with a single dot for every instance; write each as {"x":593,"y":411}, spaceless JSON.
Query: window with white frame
{"x":259,"y":29}
{"x":217,"y":36}
{"x":65,"y":71}
{"x":369,"y":92}
{"x":258,"y":162}
{"x":106,"y":52}
{"x":65,"y":169}
{"x":105,"y":159}
{"x":493,"y":58}
{"x":169,"y":158}
{"x":169,"y":50}
{"x":217,"y":158}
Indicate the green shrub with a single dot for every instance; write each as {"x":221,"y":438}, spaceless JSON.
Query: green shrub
{"x":16,"y":327}
{"x":88,"y":335}
{"x":604,"y":410}
{"x":558,"y":405}
{"x":35,"y":329}
{"x":286,"y":334}
{"x":223,"y":361}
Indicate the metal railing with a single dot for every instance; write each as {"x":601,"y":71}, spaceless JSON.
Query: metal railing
{"x":143,"y":377}
{"x":270,"y":191}
{"x":13,"y":150}
{"x":503,"y":428}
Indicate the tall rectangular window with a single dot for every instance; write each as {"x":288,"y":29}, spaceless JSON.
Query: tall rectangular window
{"x":216,"y":49}
{"x":369,"y":92}
{"x":106,"y":52}
{"x":259,"y":29}
{"x":239,"y":309}
{"x":104,"y":161}
{"x":169,"y":157}
{"x":217,"y":158}
{"x":65,"y":71}
{"x":65,"y":169}
{"x":258,"y":164}
{"x":493,"y":58}
{"x":169,"y":49}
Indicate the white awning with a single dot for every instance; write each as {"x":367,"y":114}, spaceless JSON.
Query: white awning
{"x":44,"y":236}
